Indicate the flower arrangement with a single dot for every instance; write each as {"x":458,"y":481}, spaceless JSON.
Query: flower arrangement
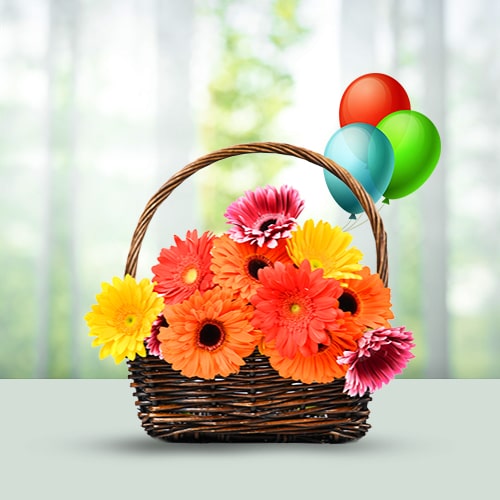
{"x":297,"y":293}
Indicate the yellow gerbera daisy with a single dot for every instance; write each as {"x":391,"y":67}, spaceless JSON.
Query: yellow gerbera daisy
{"x":123,"y":316}
{"x":325,"y":247}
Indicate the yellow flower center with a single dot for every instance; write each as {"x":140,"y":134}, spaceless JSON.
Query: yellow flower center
{"x":190,"y":275}
{"x":316,"y":264}
{"x":128,"y":322}
{"x":295,"y":308}
{"x":130,"y":319}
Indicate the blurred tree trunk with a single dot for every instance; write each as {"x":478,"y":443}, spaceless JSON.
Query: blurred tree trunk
{"x":434,"y":207}
{"x":174,"y":38}
{"x":58,"y":293}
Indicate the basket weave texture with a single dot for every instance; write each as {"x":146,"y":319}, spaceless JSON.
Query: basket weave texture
{"x":256,"y":404}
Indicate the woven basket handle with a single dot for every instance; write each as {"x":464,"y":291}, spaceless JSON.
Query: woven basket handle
{"x":262,"y":147}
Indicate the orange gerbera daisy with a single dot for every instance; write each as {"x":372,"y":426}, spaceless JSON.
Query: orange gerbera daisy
{"x":184,"y":267}
{"x":295,"y":307}
{"x":209,"y":334}
{"x":236,"y":265}
{"x":367,"y":300}
{"x":321,"y":367}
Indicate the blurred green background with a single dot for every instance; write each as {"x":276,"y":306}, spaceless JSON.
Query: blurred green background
{"x":101,"y":101}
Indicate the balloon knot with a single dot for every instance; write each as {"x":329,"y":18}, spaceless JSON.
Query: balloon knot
{"x":352,"y":217}
{"x":386,"y":201}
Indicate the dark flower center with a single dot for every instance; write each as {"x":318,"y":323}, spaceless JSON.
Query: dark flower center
{"x":210,"y":337}
{"x":348,"y":303}
{"x":267,"y":224}
{"x":254,"y":265}
{"x":322,"y":347}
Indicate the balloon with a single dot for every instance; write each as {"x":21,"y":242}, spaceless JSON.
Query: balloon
{"x":367,"y":154}
{"x":370,"y":98}
{"x":417,"y":147}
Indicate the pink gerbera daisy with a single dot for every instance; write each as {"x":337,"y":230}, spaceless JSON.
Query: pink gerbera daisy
{"x":295,"y":307}
{"x":184,"y":267}
{"x":153,"y":342}
{"x":264,"y":215}
{"x":381,"y":355}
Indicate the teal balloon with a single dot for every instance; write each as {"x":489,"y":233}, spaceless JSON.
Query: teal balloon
{"x":417,"y":147}
{"x":366,"y":153}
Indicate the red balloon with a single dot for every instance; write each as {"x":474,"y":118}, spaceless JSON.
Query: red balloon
{"x":370,"y":98}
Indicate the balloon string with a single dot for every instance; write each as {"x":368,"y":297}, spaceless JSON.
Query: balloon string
{"x":360,"y":221}
{"x":353,"y":223}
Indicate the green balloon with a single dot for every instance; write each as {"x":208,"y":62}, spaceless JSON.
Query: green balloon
{"x":417,"y":147}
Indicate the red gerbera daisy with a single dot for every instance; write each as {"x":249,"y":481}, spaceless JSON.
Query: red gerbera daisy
{"x":295,"y":307}
{"x":264,"y":215}
{"x":321,"y":367}
{"x":184,"y":267}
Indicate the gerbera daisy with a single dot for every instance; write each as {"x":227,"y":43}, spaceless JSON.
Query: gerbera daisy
{"x":321,"y":367}
{"x":325,"y":247}
{"x":236,"y":265}
{"x":123,"y":316}
{"x":367,"y":300}
{"x":295,"y":307}
{"x":152,"y":342}
{"x":381,"y":355}
{"x":209,"y":334}
{"x":265,"y":215}
{"x":184,"y":267}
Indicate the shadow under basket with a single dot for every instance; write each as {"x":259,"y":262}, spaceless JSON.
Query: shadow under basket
{"x":256,"y":404}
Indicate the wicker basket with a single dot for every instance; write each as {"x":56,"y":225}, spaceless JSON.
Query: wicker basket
{"x":255,"y":405}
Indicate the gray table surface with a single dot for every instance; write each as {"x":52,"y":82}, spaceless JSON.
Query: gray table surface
{"x":73,"y":439}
